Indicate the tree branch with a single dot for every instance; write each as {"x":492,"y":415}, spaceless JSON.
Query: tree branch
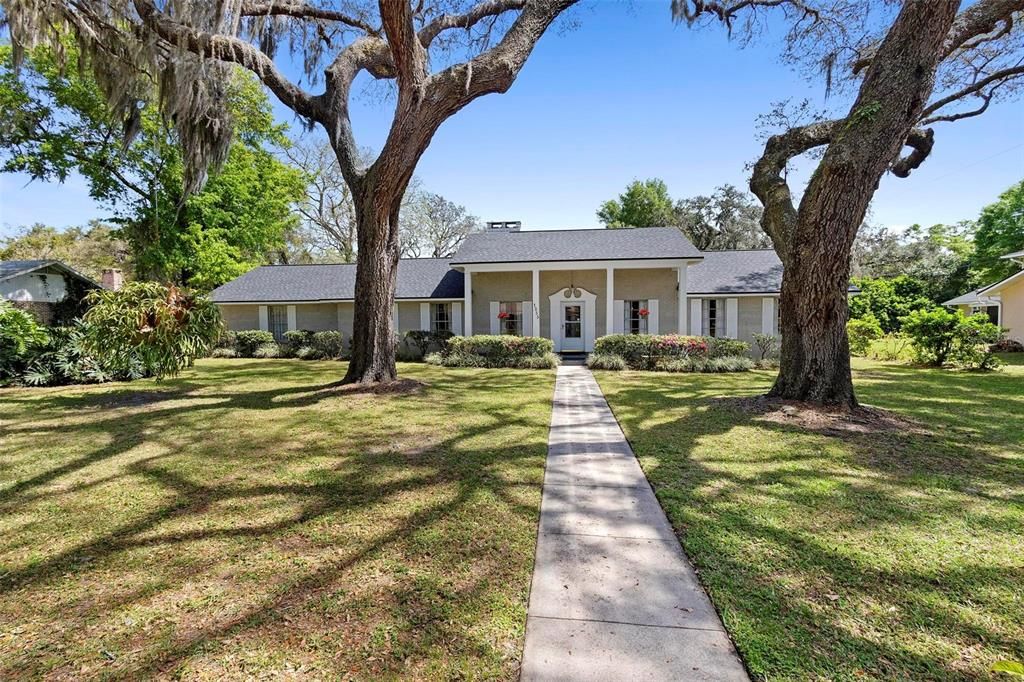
{"x":479,"y":12}
{"x":303,"y":10}
{"x":408,"y":54}
{"x":921,"y":140}
{"x":997,"y":77}
{"x":229,"y":49}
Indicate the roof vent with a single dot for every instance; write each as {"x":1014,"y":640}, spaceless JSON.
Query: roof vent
{"x":504,"y":225}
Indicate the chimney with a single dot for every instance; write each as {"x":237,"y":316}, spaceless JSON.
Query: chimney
{"x":504,"y":225}
{"x":112,"y":279}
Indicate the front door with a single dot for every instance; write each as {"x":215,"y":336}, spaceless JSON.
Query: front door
{"x":572,"y":327}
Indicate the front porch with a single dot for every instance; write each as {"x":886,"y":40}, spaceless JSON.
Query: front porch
{"x":575,"y":303}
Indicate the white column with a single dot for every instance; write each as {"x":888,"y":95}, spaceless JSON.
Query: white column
{"x":264,"y":318}
{"x":609,"y":315}
{"x":468,"y":298}
{"x":681,"y":300}
{"x":291,"y":318}
{"x":457,"y":318}
{"x":535,"y":313}
{"x":732,"y":315}
{"x":394,"y":318}
{"x":767,"y":315}
{"x":697,"y":316}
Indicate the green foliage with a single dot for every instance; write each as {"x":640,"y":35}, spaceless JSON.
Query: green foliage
{"x":1000,"y":231}
{"x":330,"y":344}
{"x":248,"y":340}
{"x":643,"y":204}
{"x":163,"y":328}
{"x":728,"y":219}
{"x":939,"y":336}
{"x":426,"y":342}
{"x":888,"y":300}
{"x":59,"y":124}
{"x":65,"y":359}
{"x":527,"y":352}
{"x":1012,"y":668}
{"x":224,"y":353}
{"x":862,"y":332}
{"x":20,"y":336}
{"x":736,"y":363}
{"x":294,"y":340}
{"x":89,"y":250}
{"x":767,"y":345}
{"x":892,"y":347}
{"x":606,"y":361}
{"x":643,"y":351}
{"x":266,"y":351}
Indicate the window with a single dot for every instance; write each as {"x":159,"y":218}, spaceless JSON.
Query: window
{"x":510,"y":318}
{"x":636,"y":317}
{"x":440,"y":317}
{"x":712,"y":317}
{"x":277,"y":321}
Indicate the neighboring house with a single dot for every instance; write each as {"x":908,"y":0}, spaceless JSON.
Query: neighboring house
{"x":1003,"y":301}
{"x":49,"y":289}
{"x":571,"y":286}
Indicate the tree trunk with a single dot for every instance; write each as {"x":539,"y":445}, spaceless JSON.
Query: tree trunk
{"x":815,"y":243}
{"x":815,"y":353}
{"x":373,"y":336}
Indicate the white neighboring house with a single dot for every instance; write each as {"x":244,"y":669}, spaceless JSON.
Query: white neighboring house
{"x":40,"y":285}
{"x":571,"y":286}
{"x":1003,"y":301}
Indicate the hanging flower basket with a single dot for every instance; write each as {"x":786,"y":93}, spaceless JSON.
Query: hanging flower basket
{"x":644,"y":312}
{"x":503,"y":316}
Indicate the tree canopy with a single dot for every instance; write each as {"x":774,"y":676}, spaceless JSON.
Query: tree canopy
{"x":60,"y":123}
{"x":1000,"y":231}
{"x":644,"y":204}
{"x":90,"y":250}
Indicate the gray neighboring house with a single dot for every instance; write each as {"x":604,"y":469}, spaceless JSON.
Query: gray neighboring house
{"x":571,"y":286}
{"x":41,"y":286}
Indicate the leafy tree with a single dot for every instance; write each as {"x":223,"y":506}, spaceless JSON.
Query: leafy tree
{"x":728,"y":219}
{"x":644,"y":204}
{"x":164,"y":328}
{"x":61,"y":123}
{"x":90,"y":250}
{"x":888,"y":300}
{"x":188,"y":47}
{"x":912,"y":65}
{"x":939,"y":257}
{"x":939,"y":336}
{"x":1000,"y":231}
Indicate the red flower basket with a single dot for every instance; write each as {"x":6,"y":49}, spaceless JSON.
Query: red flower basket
{"x":503,"y":316}
{"x":644,"y":312}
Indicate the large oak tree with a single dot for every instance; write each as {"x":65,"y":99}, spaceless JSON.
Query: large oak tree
{"x":185,"y":46}
{"x":912,"y":65}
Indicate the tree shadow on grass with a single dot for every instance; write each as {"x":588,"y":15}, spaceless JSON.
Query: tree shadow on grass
{"x":395,"y":531}
{"x":892,"y":555}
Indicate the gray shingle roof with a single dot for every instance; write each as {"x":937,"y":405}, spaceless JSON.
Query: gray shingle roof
{"x":13,"y":268}
{"x":417,"y":278}
{"x":736,"y":272}
{"x":499,"y":246}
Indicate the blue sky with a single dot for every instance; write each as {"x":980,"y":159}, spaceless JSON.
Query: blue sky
{"x":627,"y":95}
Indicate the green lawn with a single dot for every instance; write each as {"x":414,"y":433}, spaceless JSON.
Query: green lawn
{"x":836,"y":555}
{"x":249,"y":520}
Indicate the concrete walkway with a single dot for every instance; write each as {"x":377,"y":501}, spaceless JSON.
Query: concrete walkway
{"x":613,"y":595}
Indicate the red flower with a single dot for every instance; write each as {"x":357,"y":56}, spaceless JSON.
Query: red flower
{"x":502,"y":316}
{"x":644,"y":312}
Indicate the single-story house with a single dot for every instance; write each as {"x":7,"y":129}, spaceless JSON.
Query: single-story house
{"x":43,"y":288}
{"x":571,"y":286}
{"x":1003,"y":301}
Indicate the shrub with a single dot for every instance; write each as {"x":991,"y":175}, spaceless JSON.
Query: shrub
{"x":294,"y":340}
{"x":641,"y":351}
{"x":735,"y":363}
{"x":251,"y":339}
{"x":330,"y":344}
{"x":266,"y":351}
{"x":606,"y":361}
{"x":939,"y":336}
{"x":163,"y":327}
{"x":862,"y":333}
{"x":1007,"y":346}
{"x":308,"y":353}
{"x":224,"y":353}
{"x":497,"y":351}
{"x":546,"y":361}
{"x":20,"y":336}
{"x":424,"y":342}
{"x":64,"y":359}
{"x":227,"y":339}
{"x":767,"y":344}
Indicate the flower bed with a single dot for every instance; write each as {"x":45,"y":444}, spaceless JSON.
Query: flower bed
{"x":523,"y":352}
{"x":640,"y":351}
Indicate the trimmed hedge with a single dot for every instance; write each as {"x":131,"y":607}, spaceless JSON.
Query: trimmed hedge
{"x":734,"y":363}
{"x":606,"y":361}
{"x":545,"y":361}
{"x":643,"y":351}
{"x":247,"y":341}
{"x":524,"y":352}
